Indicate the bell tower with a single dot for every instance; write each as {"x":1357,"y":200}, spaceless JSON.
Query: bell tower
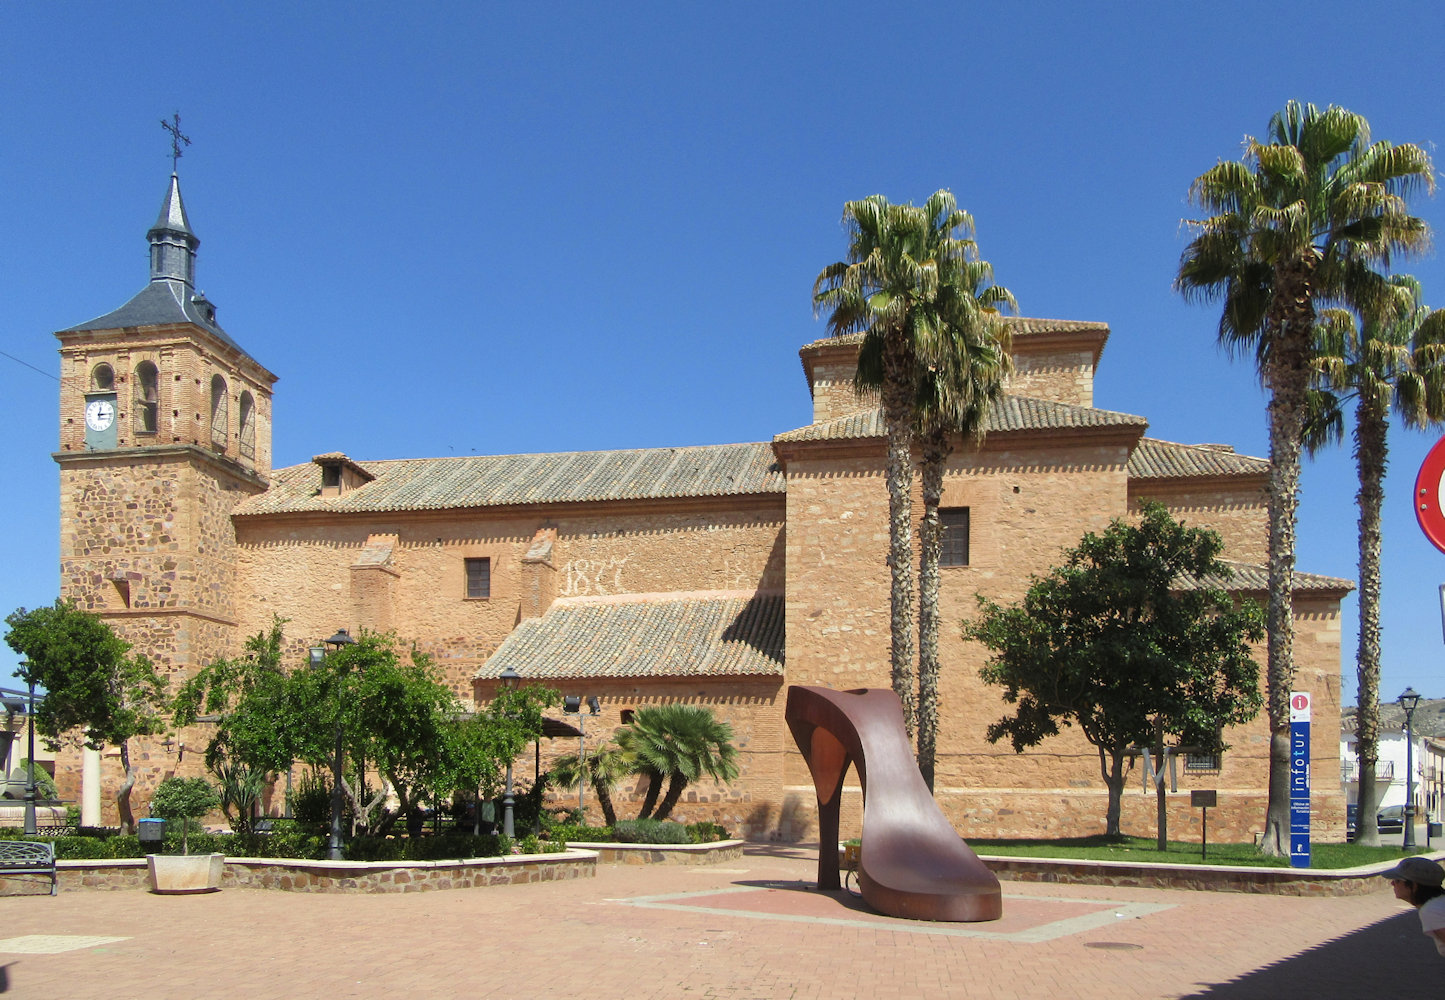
{"x":165,"y":424}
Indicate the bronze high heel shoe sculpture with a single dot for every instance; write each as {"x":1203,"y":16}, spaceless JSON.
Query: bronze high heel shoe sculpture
{"x":912,"y":864}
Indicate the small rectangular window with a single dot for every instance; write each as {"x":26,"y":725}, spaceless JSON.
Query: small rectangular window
{"x":1202,"y":761}
{"x":479,"y":578}
{"x":954,"y":549}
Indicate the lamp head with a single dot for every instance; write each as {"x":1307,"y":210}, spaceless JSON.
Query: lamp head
{"x":508,"y":679}
{"x":341,"y":638}
{"x":1409,"y":699}
{"x":571,"y":704}
{"x":593,"y":705}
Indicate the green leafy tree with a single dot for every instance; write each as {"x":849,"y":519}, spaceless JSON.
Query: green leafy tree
{"x":1300,"y":223}
{"x":888,"y":289}
{"x":1394,"y":360}
{"x":394,"y":716}
{"x":1131,"y":638}
{"x":95,"y":692}
{"x":184,"y":799}
{"x":605,"y":768}
{"x":677,"y":744}
{"x":258,"y":720}
{"x":483,"y":745}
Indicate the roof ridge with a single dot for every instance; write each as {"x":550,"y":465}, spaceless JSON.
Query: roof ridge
{"x":665,"y":597}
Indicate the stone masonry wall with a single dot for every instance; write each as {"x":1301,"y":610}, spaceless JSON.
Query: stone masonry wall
{"x":303,"y":571}
{"x":753,"y":706}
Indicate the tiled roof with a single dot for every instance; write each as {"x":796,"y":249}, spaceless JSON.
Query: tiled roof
{"x":1155,"y":459}
{"x":1019,"y":326}
{"x":1248,"y":576}
{"x":1012,"y":413}
{"x":503,"y":480}
{"x":701,"y":634}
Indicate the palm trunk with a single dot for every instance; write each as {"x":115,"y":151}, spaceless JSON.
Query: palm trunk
{"x":897,"y":408}
{"x":122,"y":796}
{"x":675,"y":785}
{"x":1371,"y":453}
{"x":930,"y":535}
{"x":649,"y":800}
{"x":604,"y":799}
{"x":1287,"y":376}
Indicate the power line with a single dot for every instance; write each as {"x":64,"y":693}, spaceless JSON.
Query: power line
{"x":27,"y":364}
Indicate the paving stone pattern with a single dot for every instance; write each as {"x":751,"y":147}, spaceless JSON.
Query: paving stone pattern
{"x":749,"y":929}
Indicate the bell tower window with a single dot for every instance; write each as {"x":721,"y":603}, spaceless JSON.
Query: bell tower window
{"x":220,"y":416}
{"x":102,"y":378}
{"x":248,"y":425}
{"x":147,"y":398}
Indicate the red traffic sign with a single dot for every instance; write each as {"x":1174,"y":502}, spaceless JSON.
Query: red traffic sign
{"x":1427,"y":495}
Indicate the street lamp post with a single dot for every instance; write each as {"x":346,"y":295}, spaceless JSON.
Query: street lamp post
{"x":318,"y":656}
{"x":30,"y":827}
{"x":506,"y":682}
{"x":1408,"y":701}
{"x":572,"y":705}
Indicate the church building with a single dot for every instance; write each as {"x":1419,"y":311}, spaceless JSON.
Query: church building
{"x":714,"y":575}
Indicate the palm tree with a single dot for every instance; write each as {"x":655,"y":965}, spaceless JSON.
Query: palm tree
{"x":1393,"y":360}
{"x":888,"y":290}
{"x":680,"y":744}
{"x":959,"y":375}
{"x":1298,"y":224}
{"x":606,"y":765}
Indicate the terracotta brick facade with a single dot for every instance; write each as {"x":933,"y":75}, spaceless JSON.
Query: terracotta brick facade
{"x":157,"y":535}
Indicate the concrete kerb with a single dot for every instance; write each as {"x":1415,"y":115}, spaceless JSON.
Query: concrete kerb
{"x":297,"y":875}
{"x":580,"y":861}
{"x":1211,"y":878}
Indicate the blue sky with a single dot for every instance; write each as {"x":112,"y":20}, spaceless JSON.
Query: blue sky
{"x":476,"y":228}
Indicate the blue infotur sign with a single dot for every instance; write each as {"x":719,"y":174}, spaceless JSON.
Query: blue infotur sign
{"x":1299,"y":779}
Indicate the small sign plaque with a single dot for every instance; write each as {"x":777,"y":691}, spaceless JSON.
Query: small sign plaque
{"x":1200,"y":798}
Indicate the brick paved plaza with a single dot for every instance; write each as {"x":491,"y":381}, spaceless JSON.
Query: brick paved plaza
{"x":732,"y":931}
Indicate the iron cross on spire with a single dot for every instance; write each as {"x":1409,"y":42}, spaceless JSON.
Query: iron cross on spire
{"x":174,"y":128}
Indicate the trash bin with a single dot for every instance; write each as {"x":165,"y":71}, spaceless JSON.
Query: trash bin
{"x":152,"y":831}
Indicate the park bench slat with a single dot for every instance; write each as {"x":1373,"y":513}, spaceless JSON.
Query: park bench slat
{"x":29,"y":857}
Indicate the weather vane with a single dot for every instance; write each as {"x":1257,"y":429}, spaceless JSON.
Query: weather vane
{"x":174,"y":128}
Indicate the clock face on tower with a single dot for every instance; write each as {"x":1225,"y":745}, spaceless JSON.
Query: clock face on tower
{"x":99,"y":414}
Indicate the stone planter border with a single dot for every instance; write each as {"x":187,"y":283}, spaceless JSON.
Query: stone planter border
{"x":1211,"y":878}
{"x":294,"y":875}
{"x":663,"y":854}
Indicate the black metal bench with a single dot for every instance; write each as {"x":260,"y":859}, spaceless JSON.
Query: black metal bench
{"x":29,"y":857}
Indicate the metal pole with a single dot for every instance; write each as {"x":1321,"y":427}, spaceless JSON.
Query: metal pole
{"x":333,"y":844}
{"x":581,"y":765}
{"x":1409,"y":840}
{"x":507,"y":803}
{"x":30,"y":827}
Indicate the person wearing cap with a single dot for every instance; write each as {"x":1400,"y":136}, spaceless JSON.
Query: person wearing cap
{"x":1418,"y":882}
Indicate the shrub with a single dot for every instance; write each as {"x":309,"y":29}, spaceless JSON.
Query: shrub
{"x":184,"y":799}
{"x":650,"y":831}
{"x":706,"y":832}
{"x":572,"y":832}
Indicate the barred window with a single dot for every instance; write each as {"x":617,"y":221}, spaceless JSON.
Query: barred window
{"x":1202,"y":761}
{"x":954,"y":549}
{"x":479,"y":578}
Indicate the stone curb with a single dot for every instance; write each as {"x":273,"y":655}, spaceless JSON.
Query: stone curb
{"x":1209,"y":878}
{"x":663,"y":854}
{"x":298,"y":875}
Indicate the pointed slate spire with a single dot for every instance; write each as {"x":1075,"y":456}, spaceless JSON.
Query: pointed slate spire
{"x":173,"y":245}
